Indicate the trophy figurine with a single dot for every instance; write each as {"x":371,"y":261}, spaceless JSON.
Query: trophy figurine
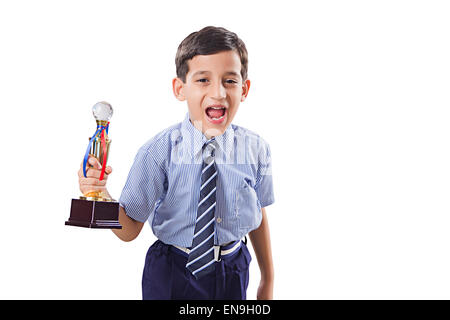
{"x":95,"y":209}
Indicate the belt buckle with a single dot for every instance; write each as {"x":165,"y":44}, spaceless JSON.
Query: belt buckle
{"x":217,"y":256}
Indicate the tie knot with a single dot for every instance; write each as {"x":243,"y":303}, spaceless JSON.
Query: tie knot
{"x":209,"y":150}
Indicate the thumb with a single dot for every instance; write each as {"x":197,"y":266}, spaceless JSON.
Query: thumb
{"x":94,"y":162}
{"x":108,"y":170}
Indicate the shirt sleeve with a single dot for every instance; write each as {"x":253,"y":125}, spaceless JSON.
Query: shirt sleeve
{"x":143,"y":188}
{"x":264,"y":183}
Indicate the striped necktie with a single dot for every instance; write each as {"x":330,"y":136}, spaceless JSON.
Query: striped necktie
{"x":201,"y":256}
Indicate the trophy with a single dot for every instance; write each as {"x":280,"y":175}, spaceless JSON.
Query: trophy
{"x":95,"y":209}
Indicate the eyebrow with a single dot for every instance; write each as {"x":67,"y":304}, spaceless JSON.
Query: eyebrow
{"x":232,"y":73}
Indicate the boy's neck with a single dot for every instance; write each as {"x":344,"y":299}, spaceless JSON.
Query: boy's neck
{"x":208,"y":133}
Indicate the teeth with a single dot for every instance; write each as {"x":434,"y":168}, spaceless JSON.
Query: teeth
{"x":218,"y":118}
{"x":217,"y":108}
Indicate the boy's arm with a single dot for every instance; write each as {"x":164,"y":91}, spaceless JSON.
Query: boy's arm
{"x":260,"y":239}
{"x":130,"y":227}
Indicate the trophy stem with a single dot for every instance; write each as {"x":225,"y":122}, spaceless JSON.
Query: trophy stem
{"x":97,"y":149}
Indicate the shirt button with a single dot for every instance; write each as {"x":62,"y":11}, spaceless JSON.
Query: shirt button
{"x":219,"y":220}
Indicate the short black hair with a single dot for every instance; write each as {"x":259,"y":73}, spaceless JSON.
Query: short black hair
{"x":209,"y":40}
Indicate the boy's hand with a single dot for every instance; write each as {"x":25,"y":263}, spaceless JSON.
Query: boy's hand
{"x":92,"y":183}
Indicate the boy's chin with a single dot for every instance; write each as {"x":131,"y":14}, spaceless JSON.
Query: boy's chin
{"x":216,"y":128}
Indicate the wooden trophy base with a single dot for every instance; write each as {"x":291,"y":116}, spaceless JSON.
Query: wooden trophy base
{"x":94,"y":214}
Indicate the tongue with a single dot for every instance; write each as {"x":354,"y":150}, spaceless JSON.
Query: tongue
{"x":214,"y":113}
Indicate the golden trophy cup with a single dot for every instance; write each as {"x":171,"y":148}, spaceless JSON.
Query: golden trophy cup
{"x":95,"y":209}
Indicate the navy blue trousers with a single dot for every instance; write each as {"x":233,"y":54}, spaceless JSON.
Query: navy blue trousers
{"x":166,"y":277}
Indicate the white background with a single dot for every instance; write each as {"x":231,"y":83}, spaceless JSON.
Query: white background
{"x":352,"y":96}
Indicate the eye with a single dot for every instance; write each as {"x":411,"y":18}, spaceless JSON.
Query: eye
{"x":230,"y":81}
{"x":202,"y":80}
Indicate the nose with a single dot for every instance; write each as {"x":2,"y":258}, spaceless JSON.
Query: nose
{"x":218,"y":91}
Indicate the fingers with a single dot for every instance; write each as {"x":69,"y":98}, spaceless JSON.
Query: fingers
{"x":92,"y":182}
{"x":93,"y":169}
{"x":94,"y":173}
{"x":94,"y":162}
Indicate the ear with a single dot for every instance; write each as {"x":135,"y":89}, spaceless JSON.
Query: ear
{"x":178,"y":89}
{"x":245,"y":89}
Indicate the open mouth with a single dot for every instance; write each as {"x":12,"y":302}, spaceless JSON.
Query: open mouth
{"x":216,"y":114}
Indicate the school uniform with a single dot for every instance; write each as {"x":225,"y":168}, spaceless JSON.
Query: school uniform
{"x":164,"y":188}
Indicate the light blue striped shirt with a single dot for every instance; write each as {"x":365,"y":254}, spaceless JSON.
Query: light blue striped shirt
{"x":163,"y":185}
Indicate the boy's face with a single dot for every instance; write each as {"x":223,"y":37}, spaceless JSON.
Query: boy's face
{"x":213,"y":90}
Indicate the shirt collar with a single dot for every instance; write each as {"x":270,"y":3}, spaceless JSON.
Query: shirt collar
{"x":194,"y":139}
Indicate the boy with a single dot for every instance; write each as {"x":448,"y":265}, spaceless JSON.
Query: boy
{"x":202,"y":184}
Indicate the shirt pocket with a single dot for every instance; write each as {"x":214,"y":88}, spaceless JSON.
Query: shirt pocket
{"x":247,"y":208}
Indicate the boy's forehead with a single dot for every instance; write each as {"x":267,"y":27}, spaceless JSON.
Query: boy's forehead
{"x":226,"y":62}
